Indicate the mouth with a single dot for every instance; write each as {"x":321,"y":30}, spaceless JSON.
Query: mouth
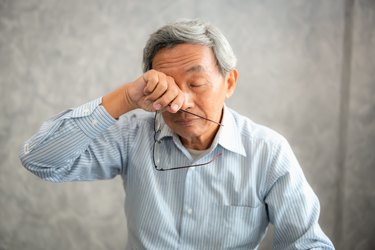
{"x":185,"y":120}
{"x":202,"y":117}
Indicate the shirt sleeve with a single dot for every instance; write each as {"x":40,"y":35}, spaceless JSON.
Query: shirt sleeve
{"x":293,"y":207}
{"x":75,"y":145}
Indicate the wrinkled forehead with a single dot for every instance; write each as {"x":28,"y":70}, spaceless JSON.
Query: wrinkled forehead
{"x":187,"y":58}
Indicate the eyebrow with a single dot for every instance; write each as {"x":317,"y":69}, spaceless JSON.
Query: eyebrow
{"x":196,"y":68}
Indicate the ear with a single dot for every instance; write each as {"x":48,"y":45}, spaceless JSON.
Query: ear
{"x":231,"y":82}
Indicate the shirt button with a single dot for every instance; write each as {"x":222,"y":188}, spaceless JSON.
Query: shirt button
{"x":86,"y":111}
{"x":190,"y":211}
{"x":94,"y":122}
{"x":26,"y":148}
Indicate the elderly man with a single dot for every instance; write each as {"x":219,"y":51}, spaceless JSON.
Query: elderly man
{"x":197,"y":175}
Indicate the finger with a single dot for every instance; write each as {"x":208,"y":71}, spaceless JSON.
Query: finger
{"x":152,"y":78}
{"x":177,"y":103}
{"x":160,"y":88}
{"x":151,"y":82}
{"x":168,"y":98}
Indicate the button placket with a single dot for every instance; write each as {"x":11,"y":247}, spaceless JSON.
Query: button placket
{"x":187,"y":205}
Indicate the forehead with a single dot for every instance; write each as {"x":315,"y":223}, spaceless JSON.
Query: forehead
{"x":187,"y":58}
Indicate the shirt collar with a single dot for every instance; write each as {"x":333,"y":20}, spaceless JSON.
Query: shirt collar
{"x":228,"y":136}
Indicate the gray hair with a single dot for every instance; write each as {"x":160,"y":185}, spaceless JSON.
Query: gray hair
{"x":194,"y":32}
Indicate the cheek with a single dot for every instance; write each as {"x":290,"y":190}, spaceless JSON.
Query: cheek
{"x":218,"y":89}
{"x":211,"y":99}
{"x":216,"y":96}
{"x":215,"y":89}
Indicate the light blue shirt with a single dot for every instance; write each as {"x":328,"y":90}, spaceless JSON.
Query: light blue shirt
{"x":227,"y":204}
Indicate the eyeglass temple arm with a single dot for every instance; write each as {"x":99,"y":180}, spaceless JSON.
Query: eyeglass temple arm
{"x":189,"y":166}
{"x":188,"y":112}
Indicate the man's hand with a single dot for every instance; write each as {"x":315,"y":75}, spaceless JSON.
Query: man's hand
{"x":152,"y":91}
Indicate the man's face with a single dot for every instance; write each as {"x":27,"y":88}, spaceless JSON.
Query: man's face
{"x":195,"y":71}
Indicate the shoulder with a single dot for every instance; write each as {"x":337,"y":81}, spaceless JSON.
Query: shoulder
{"x":254,"y":132}
{"x":267,"y":146}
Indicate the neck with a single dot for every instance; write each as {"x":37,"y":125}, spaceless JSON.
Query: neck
{"x":200,"y":142}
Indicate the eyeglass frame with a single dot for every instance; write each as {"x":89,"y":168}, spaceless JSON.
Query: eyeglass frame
{"x":156,"y":141}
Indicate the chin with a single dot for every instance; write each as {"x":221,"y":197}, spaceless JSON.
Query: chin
{"x":188,"y":131}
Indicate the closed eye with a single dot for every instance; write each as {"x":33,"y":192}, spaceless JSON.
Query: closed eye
{"x":196,"y":85}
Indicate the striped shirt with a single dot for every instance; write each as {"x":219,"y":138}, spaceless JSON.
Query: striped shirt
{"x":226,"y":204}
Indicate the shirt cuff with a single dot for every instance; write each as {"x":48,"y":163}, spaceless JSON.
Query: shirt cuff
{"x":93,"y":118}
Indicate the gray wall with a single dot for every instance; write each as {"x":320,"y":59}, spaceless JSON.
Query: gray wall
{"x":307,"y":69}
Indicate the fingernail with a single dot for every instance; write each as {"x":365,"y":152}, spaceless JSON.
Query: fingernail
{"x":157,"y":106}
{"x":174,"y":107}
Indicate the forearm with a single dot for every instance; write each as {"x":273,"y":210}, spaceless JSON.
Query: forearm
{"x":294,"y":212}
{"x":118,"y":102}
{"x":60,"y":150}
{"x":293,"y":207}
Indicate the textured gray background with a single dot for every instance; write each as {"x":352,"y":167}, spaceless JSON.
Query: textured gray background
{"x":307,"y":69}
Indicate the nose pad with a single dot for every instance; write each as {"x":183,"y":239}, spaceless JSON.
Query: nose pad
{"x":188,"y":103}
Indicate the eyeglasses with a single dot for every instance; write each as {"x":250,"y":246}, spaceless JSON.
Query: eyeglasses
{"x":165,"y":162}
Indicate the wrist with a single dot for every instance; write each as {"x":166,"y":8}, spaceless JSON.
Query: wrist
{"x":128,"y":101}
{"x":118,"y":102}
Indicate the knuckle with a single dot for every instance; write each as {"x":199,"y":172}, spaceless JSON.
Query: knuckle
{"x":163,"y":102}
{"x":152,"y":71}
{"x":175,"y":92}
{"x":170,"y":79}
{"x":163,"y":85}
{"x":151,"y":75}
{"x":160,"y":73}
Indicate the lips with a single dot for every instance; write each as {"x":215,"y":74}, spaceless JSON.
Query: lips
{"x":185,"y":119}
